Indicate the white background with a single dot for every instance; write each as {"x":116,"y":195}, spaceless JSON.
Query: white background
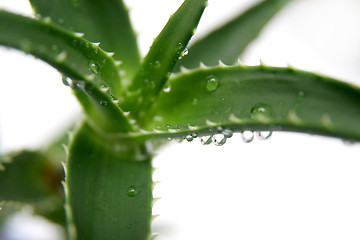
{"x":292,"y":186}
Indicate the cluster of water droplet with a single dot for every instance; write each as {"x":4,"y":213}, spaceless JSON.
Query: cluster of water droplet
{"x":220,"y":138}
{"x":181,"y":50}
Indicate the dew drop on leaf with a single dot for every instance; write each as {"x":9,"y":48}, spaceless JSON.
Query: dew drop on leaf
{"x":260,"y":110}
{"x":167,"y":87}
{"x":189,"y":138}
{"x":228,"y":133}
{"x":300,"y":95}
{"x":247,"y":136}
{"x":131,"y":191}
{"x":93,"y":67}
{"x":219,"y":139}
{"x":66,"y":81}
{"x":103,"y":103}
{"x":264,"y":135}
{"x":211,"y":83}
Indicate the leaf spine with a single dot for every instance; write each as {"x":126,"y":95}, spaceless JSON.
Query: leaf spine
{"x":221,"y":64}
{"x":210,"y":123}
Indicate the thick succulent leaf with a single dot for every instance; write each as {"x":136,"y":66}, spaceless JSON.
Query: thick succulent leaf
{"x":72,"y":55}
{"x":30,"y":177}
{"x":165,"y":51}
{"x":75,"y":57}
{"x":104,"y":113}
{"x":228,"y":42}
{"x":256,"y":98}
{"x":108,"y":181}
{"x":106,"y":22}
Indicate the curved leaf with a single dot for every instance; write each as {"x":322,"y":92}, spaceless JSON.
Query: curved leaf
{"x":166,"y":50}
{"x":30,"y":177}
{"x":108,"y":181}
{"x":70,"y":54}
{"x":229,"y":41}
{"x":106,"y":22}
{"x":256,"y":98}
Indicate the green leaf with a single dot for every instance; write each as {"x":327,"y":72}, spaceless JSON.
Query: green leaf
{"x":109,"y":187}
{"x":30,"y":177}
{"x":256,"y":98}
{"x":106,"y":22}
{"x":104,"y":113}
{"x":228,"y":42}
{"x":70,"y":54}
{"x":165,"y":51}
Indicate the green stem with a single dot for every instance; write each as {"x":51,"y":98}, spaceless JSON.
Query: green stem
{"x":109,"y":187}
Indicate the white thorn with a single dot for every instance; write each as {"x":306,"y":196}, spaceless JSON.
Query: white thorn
{"x":96,"y":44}
{"x":221,"y":64}
{"x":234,"y":118}
{"x":61,"y":57}
{"x":326,"y":121}
{"x":293,"y":117}
{"x":210,"y":123}
{"x":110,"y":54}
{"x":118,"y":63}
{"x":240,"y":63}
{"x":262,"y":63}
{"x":91,"y":77}
{"x":203,"y":66}
{"x":184,"y":69}
{"x":79,"y":34}
{"x":193,"y":128}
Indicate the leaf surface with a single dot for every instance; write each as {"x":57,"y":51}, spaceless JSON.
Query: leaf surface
{"x":256,"y":98}
{"x":90,"y":67}
{"x":165,"y":51}
{"x":70,"y":54}
{"x":108,"y":181}
{"x":106,"y":22}
{"x":30,"y":177}
{"x":229,"y":41}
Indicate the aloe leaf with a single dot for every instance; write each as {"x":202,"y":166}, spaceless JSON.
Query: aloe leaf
{"x":165,"y":51}
{"x":256,"y":98}
{"x":108,"y":181}
{"x":104,"y":113}
{"x":66,"y":51}
{"x":229,"y":41}
{"x":30,"y":177}
{"x":106,"y":22}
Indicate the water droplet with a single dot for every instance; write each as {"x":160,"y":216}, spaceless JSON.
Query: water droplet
{"x":205,"y":140}
{"x":300,"y":95}
{"x":185,"y":52}
{"x":211,"y":83}
{"x":247,"y":136}
{"x":93,"y":67}
{"x":78,"y":85}
{"x":260,"y":111}
{"x":189,"y":138}
{"x":103,"y":103}
{"x":131,"y":191}
{"x":79,"y":34}
{"x":156,"y":65}
{"x":194,"y":135}
{"x":66,"y":81}
{"x":219,"y":139}
{"x":228,"y":133}
{"x":167,"y":87}
{"x":194,"y":101}
{"x":263,"y":135}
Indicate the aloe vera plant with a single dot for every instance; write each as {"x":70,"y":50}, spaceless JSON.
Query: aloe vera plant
{"x":133,"y":105}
